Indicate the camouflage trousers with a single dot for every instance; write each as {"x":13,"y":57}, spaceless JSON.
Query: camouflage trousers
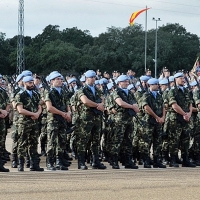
{"x":122,"y":138}
{"x":88,"y":134}
{"x":56,"y":138}
{"x":43,"y":131}
{"x":2,"y":136}
{"x":151,"y":134}
{"x":14,"y":133}
{"x":178,"y":136}
{"x":28,"y":134}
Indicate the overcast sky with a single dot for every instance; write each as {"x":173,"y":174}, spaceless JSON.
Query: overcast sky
{"x":96,"y":15}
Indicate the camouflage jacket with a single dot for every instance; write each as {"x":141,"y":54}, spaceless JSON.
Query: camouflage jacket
{"x":29,"y":103}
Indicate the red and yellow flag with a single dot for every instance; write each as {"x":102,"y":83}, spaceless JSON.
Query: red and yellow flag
{"x":135,"y":14}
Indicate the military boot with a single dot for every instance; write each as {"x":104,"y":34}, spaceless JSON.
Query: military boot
{"x":59,"y":164}
{"x":34,"y":164}
{"x":146,"y":161}
{"x":66,"y":156}
{"x":27,"y":161}
{"x":129,"y":163}
{"x":50,"y":162}
{"x":173,"y":162}
{"x":2,"y":168}
{"x":197,"y":160}
{"x":186,"y":162}
{"x":114,"y":162}
{"x":81,"y":162}
{"x":14,"y":161}
{"x":165,"y":157}
{"x":96,"y":164}
{"x":157,"y":163}
{"x":178,"y":160}
{"x":21,"y":164}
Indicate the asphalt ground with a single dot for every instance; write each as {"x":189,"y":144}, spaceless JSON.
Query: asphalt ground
{"x":160,"y":184}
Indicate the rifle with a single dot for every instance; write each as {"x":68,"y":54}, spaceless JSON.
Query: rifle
{"x":131,"y":112}
{"x":58,"y":117}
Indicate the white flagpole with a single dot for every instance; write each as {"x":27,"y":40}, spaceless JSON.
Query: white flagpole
{"x":145,"y":47}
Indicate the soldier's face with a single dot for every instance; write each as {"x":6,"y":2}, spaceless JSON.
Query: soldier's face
{"x":154,"y":87}
{"x":57,"y":82}
{"x":124,"y":84}
{"x":29,"y":85}
{"x":180,"y":81}
{"x":91,"y":80}
{"x":163,"y":87}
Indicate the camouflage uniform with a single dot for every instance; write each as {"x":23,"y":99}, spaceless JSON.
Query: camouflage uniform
{"x":122,"y":130}
{"x":179,"y":130}
{"x":28,"y":129}
{"x":152,"y":133}
{"x":56,"y":130}
{"x":89,"y":130}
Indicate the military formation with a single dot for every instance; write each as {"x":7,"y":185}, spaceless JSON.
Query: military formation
{"x":100,"y":118}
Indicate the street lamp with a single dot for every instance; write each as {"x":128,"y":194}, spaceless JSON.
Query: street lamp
{"x":156,"y":20}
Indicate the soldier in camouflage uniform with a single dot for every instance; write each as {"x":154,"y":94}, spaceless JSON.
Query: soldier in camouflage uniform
{"x":89,"y":130}
{"x":180,"y":108}
{"x":154,"y":117}
{"x":14,"y":133}
{"x":3,"y":114}
{"x":29,"y":108}
{"x":125,"y":106}
{"x":58,"y":114}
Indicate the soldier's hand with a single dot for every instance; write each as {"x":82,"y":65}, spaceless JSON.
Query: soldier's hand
{"x":67,"y":116}
{"x":160,"y":120}
{"x":35,"y":116}
{"x":186,"y":117}
{"x":4,"y":112}
{"x":2,"y":116}
{"x":100,"y":107}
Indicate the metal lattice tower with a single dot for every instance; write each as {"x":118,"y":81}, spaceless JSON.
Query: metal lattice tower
{"x":20,"y":42}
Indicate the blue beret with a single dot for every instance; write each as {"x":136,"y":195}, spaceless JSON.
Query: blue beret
{"x":27,"y":79}
{"x":71,"y":80}
{"x":193,"y":83}
{"x":163,"y":81}
{"x":53,"y":72}
{"x":54,"y":75}
{"x":90,"y":73}
{"x":109,"y":86}
{"x":47,"y":78}
{"x":179,"y":74}
{"x":19,"y":77}
{"x":152,"y":81}
{"x":116,"y":81}
{"x":171,"y":79}
{"x":198,"y":69}
{"x":1,"y":76}
{"x":27,"y":73}
{"x":130,"y":87}
{"x":144,"y":78}
{"x":82,"y":79}
{"x":137,"y":84}
{"x":103,"y":80}
{"x":122,"y":78}
{"x":96,"y":82}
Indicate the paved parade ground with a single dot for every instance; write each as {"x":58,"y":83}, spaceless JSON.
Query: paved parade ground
{"x":161,"y":184}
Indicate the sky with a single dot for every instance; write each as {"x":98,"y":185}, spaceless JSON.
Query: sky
{"x":96,"y":15}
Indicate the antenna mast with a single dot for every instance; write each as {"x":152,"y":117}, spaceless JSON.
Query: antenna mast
{"x":20,"y":41}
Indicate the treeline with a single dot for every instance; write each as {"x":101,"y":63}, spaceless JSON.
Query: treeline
{"x":73,"y":50}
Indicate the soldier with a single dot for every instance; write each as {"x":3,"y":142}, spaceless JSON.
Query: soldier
{"x":180,"y":108}
{"x":89,"y":130}
{"x":57,"y":105}
{"x":154,"y":117}
{"x":3,"y":114}
{"x":125,"y":106}
{"x":29,"y":108}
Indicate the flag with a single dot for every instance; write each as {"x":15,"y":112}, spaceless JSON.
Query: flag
{"x":135,"y":14}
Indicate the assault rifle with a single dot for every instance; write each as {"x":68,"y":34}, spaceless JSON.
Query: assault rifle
{"x":58,"y":117}
{"x":131,"y":112}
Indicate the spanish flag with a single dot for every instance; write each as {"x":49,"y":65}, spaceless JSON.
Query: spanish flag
{"x":135,"y":14}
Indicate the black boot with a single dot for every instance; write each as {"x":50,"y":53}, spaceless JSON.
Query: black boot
{"x":157,"y":163}
{"x":59,"y":164}
{"x":2,"y":169}
{"x":186,"y":162}
{"x":34,"y":164}
{"x":21,"y":164}
{"x":65,"y":162}
{"x":165,"y":157}
{"x":197,"y":160}
{"x":66,"y":156}
{"x":129,"y":163}
{"x":146,"y":161}
{"x":50,"y":162}
{"x":178,"y":160}
{"x":27,"y":161}
{"x":81,"y":162}
{"x":173,"y":162}
{"x":96,"y":164}
{"x":114,"y":162}
{"x":14,"y":161}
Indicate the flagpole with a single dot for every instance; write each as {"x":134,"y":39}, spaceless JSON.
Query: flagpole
{"x":145,"y":45}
